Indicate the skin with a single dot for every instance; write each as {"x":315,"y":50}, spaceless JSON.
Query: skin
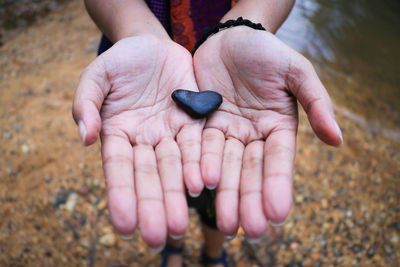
{"x":147,"y":141}
{"x":270,"y":13}
{"x":248,"y":145}
{"x":151,"y":149}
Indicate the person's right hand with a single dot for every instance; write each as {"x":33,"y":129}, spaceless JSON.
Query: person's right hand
{"x":125,"y":94}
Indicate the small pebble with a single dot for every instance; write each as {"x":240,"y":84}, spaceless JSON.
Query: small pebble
{"x":324,"y":203}
{"x":108,"y":240}
{"x":8,"y":135}
{"x":48,"y":179}
{"x":84,"y":191}
{"x":61,"y":197}
{"x":18,"y":128}
{"x":388,"y":248}
{"x":356,"y":248}
{"x":394,"y":239}
{"x":337,"y":252}
{"x":102,"y":205}
{"x":299,"y":198}
{"x":25,"y":148}
{"x":370,"y":253}
{"x":71,"y":201}
{"x":85,"y":242}
{"x":198,"y":105}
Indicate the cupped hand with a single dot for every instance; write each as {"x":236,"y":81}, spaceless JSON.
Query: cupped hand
{"x":249,"y":144}
{"x":149,"y":146}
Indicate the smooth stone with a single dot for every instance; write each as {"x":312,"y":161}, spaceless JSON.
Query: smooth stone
{"x":197,"y":104}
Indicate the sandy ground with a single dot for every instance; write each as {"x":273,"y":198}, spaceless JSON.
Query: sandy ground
{"x":53,"y":209}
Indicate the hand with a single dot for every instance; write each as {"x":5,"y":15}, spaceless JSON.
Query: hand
{"x":144,"y":136}
{"x":248,"y":145}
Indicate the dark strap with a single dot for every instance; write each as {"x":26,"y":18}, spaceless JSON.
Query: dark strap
{"x":227,"y":24}
{"x":223,"y":259}
{"x":167,"y":251}
{"x":172,"y":250}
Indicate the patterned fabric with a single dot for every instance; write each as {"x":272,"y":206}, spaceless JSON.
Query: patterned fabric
{"x":182,"y":23}
{"x":186,"y":20}
{"x":198,"y":15}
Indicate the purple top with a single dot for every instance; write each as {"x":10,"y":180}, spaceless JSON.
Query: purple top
{"x":186,"y":20}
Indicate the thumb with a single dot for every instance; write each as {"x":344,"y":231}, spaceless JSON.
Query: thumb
{"x":92,"y":89}
{"x":304,"y":83}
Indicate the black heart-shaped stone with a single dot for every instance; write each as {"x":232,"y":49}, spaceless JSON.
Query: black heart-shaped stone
{"x":198,"y":105}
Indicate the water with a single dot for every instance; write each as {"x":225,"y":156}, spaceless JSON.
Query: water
{"x":355,"y":47}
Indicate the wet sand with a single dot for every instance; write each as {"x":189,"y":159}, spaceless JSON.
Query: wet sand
{"x":52,"y":195}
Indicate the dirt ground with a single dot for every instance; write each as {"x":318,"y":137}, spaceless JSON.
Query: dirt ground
{"x":53,"y":209}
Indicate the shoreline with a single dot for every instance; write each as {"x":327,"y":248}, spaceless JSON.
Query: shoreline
{"x":372,"y":127}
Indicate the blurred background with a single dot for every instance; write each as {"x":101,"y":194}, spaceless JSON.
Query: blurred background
{"x":346,"y":209}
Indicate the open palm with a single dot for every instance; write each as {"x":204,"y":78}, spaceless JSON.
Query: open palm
{"x":126,"y":94}
{"x":248,"y":145}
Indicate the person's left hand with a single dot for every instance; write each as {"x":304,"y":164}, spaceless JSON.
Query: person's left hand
{"x":248,"y":145}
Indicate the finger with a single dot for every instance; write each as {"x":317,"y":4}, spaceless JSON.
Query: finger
{"x":279,"y":154}
{"x":170,"y":170}
{"x":252,"y":218}
{"x":212,"y":147}
{"x":151,"y":213}
{"x":93,"y":87}
{"x":117,"y":157}
{"x":227,"y":200}
{"x":304,"y":83}
{"x":189,"y":141}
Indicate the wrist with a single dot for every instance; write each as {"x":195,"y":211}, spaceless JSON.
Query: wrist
{"x":124,"y":18}
{"x":270,"y":13}
{"x":140,"y":29}
{"x":225,"y":26}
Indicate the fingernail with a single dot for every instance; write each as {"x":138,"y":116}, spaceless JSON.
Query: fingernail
{"x":253,"y":240}
{"x":276,"y":225}
{"x":193,"y":195}
{"x":176,"y":237}
{"x":211,"y":187}
{"x":156,"y":250}
{"x":82,"y":131}
{"x":127,"y":237}
{"x":230,"y":237}
{"x":339,"y":132}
